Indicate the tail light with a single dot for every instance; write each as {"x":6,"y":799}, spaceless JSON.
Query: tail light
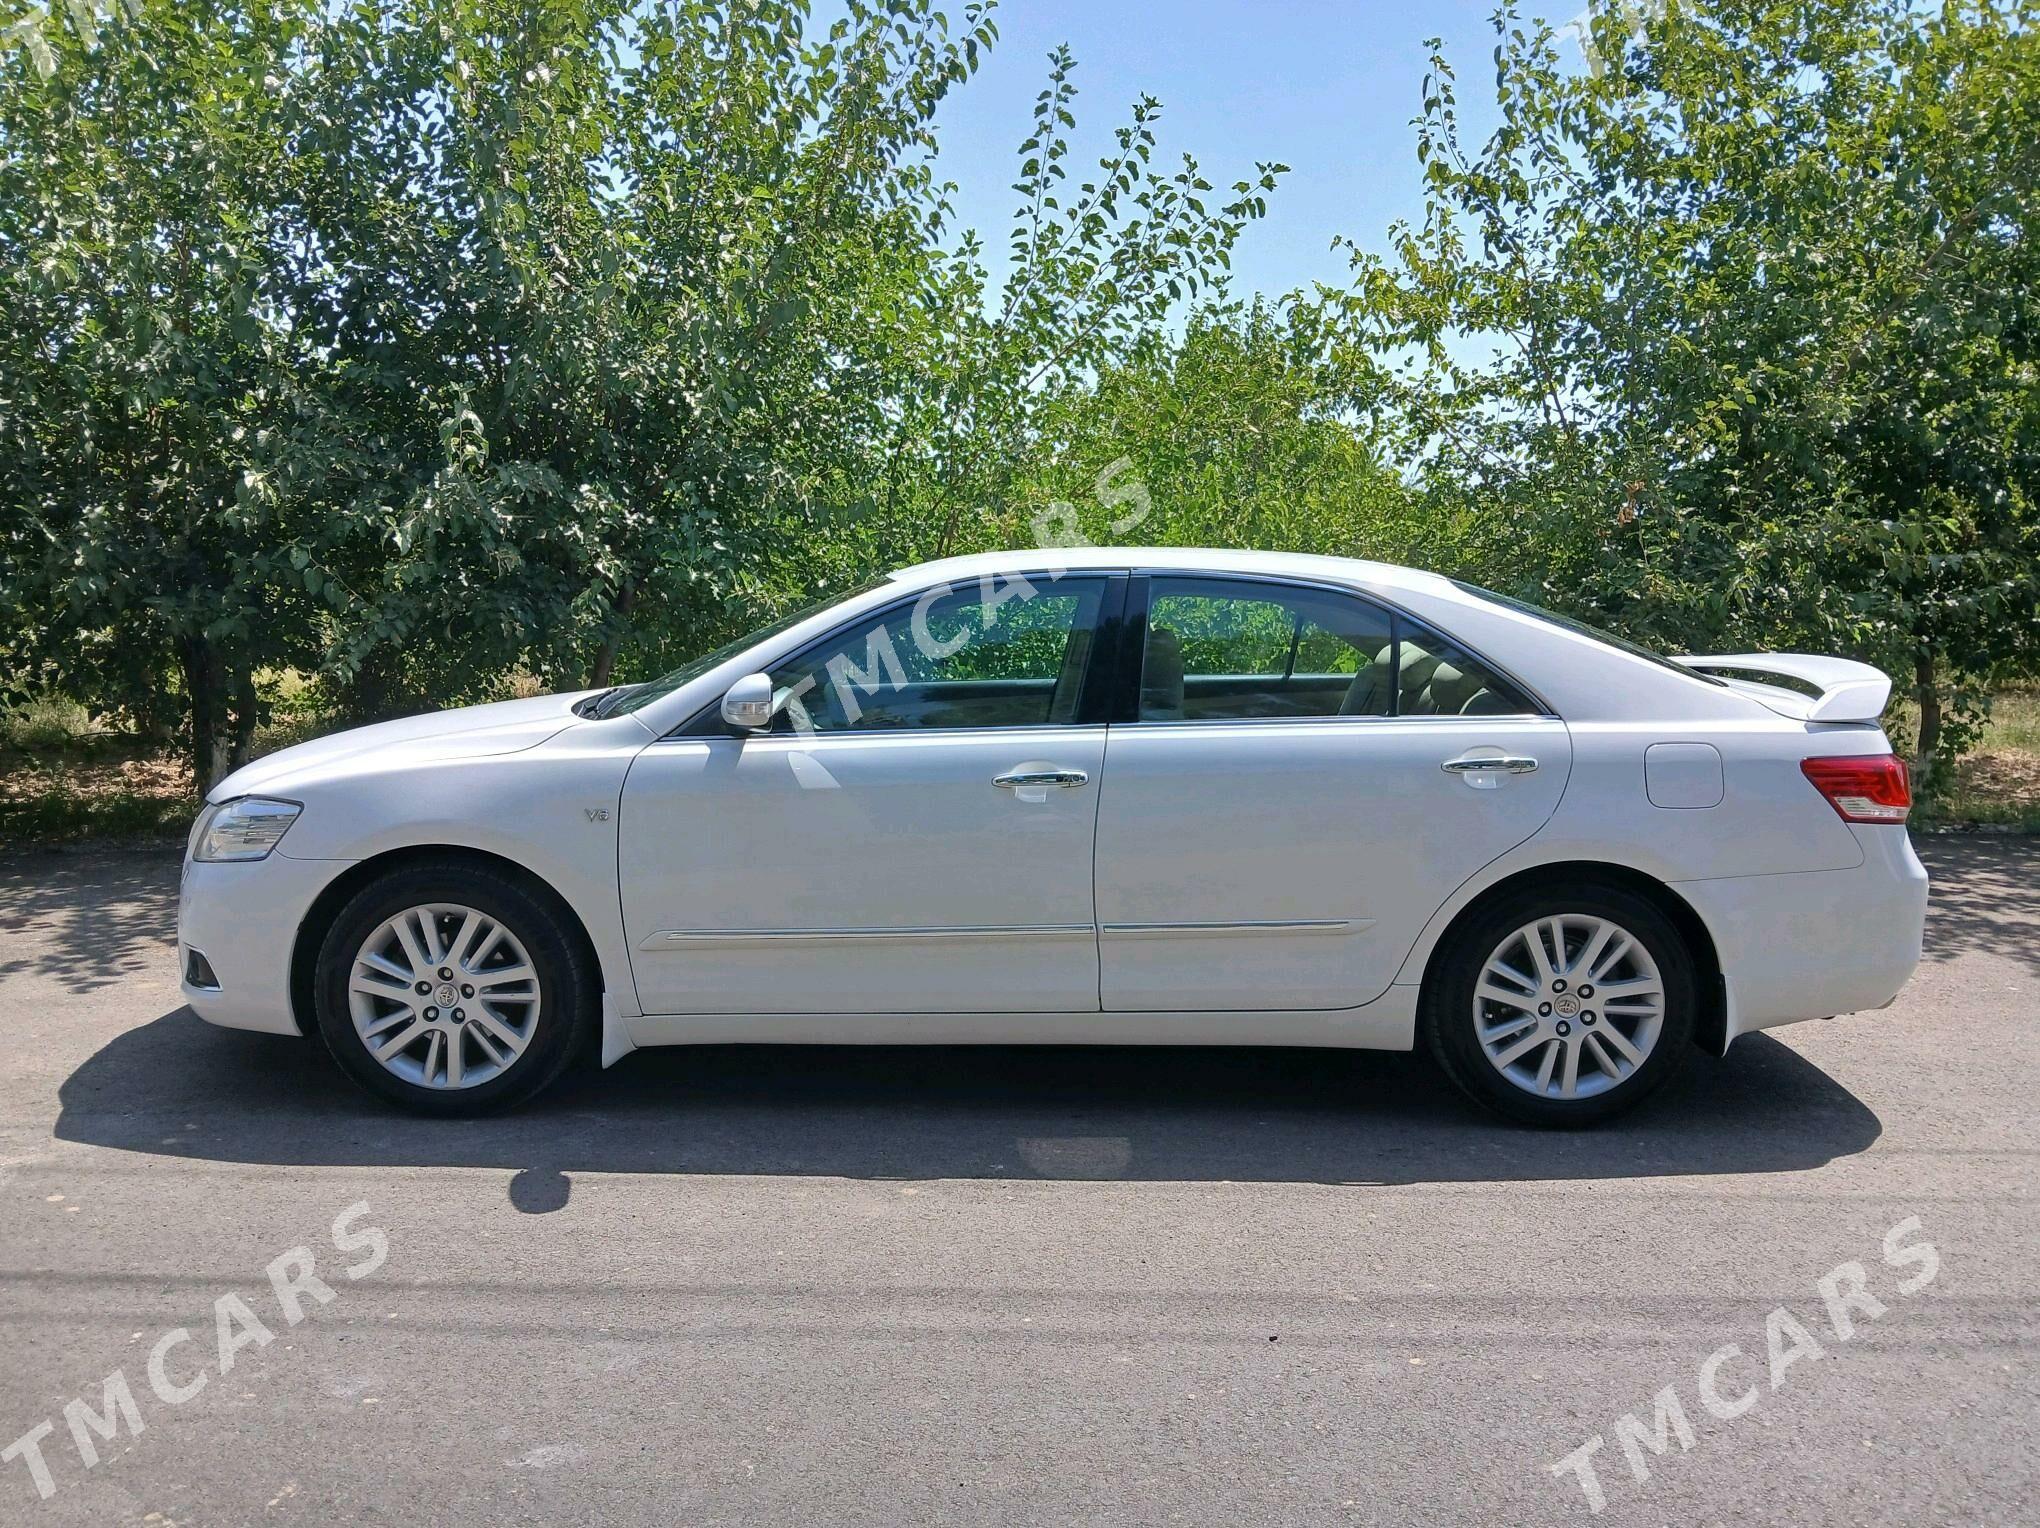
{"x":1875,"y":787}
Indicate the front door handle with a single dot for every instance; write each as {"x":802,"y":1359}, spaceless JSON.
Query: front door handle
{"x":1020,"y":779}
{"x":1507,"y":764}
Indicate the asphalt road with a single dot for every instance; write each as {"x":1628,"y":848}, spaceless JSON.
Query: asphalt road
{"x":1013,"y":1286}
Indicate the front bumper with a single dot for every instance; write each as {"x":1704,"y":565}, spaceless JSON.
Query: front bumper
{"x":244,"y":918}
{"x":1816,"y":943}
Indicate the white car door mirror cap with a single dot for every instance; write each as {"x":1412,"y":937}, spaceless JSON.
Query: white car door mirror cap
{"x":748,"y":703}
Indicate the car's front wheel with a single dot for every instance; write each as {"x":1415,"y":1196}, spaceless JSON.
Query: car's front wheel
{"x":451,"y":989}
{"x":1562,"y":1006}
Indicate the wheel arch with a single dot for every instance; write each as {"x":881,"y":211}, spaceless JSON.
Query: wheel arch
{"x":1711,"y":1023}
{"x":336,"y":893}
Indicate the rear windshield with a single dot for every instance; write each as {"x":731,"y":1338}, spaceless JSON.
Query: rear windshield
{"x":1620,"y":644}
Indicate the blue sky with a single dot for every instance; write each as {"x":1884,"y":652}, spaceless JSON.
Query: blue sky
{"x":1326,"y":88}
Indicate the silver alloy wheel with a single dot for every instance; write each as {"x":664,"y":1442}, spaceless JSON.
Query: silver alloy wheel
{"x":1569,"y":1006}
{"x":443,"y":996}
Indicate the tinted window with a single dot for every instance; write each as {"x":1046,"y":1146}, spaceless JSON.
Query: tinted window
{"x":1436,"y":678}
{"x":1003,"y":653}
{"x":1224,"y":650}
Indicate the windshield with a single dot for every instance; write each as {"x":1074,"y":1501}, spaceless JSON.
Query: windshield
{"x":630,"y":698}
{"x":1621,"y":644}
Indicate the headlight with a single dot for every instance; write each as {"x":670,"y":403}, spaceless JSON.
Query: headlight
{"x":246,"y":829}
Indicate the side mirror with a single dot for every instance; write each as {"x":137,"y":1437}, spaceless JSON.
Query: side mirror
{"x":748,"y":703}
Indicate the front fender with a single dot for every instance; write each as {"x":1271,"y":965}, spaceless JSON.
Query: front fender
{"x":551,"y":810}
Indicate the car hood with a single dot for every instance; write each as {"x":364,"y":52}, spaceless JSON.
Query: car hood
{"x":471,"y":732}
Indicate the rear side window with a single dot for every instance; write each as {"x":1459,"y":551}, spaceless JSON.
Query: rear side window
{"x":1235,"y":650}
{"x":1437,"y":678}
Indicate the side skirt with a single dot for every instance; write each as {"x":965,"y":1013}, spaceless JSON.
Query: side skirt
{"x":1387,"y":1023}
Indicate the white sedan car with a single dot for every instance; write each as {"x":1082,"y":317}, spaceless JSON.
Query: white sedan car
{"x":1075,"y":797}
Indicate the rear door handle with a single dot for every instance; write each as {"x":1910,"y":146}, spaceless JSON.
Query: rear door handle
{"x":1020,"y":779}
{"x":1508,"y":764}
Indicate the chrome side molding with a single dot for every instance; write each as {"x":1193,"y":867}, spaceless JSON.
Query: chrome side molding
{"x":1263,"y":926}
{"x":671,"y":939}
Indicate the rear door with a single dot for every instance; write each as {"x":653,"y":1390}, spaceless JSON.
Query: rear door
{"x":1306,"y":778}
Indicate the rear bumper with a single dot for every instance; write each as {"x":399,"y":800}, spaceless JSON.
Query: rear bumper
{"x":244,"y":919}
{"x":1817,"y":943}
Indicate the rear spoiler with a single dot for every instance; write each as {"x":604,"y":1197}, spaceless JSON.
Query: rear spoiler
{"x":1849,"y":691}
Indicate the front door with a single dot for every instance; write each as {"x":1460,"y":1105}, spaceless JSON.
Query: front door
{"x":913,"y":835}
{"x":1309,"y":778}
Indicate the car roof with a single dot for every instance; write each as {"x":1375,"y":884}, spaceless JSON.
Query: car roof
{"x":1347,"y":570}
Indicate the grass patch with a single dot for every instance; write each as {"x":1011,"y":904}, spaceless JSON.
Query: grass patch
{"x":1999,"y":788}
{"x":1997,"y":784}
{"x":2014,"y":725}
{"x":70,"y":801}
{"x":50,"y":724}
{"x":66,"y":778}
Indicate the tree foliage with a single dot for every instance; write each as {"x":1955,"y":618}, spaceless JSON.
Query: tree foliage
{"x":1734,"y":337}
{"x":412,"y":340}
{"x":416,"y":342}
{"x":1237,"y":433}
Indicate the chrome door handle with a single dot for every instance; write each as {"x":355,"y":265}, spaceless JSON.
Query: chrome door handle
{"x":1020,"y":778}
{"x":1509,"y":765}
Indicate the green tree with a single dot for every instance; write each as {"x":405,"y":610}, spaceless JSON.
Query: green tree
{"x":161,"y":443}
{"x":1098,"y":265}
{"x":420,"y":339}
{"x":1236,"y":434}
{"x":623,"y":282}
{"x":1732,"y":337}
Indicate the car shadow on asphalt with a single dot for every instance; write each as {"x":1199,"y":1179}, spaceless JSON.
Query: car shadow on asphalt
{"x":179,"y":1087}
{"x":91,"y":921}
{"x":1982,"y":899}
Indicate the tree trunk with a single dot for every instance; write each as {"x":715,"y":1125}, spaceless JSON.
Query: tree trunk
{"x":205,"y":704}
{"x":1928,"y":699}
{"x":222,"y":707}
{"x":247,"y":709}
{"x":605,"y":656}
{"x":377,"y":690}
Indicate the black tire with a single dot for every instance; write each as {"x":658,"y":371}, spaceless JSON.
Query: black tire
{"x":1446,"y":1014}
{"x":568,"y":989}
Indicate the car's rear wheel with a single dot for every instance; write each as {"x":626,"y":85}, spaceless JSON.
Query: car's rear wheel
{"x":1562,"y":1006}
{"x":451,"y":989}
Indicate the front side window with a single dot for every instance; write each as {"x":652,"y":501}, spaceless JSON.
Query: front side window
{"x":1234,"y":650}
{"x":635,"y":697}
{"x":1001,"y":652}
